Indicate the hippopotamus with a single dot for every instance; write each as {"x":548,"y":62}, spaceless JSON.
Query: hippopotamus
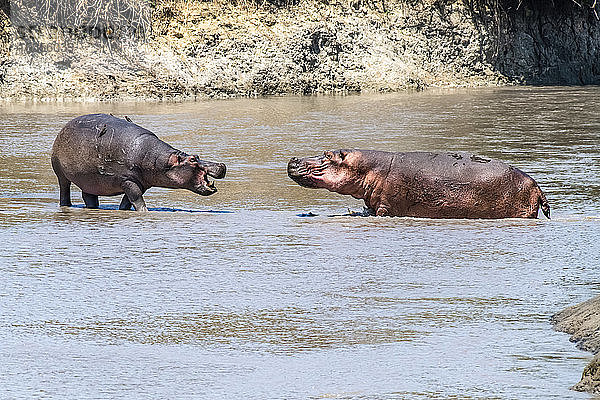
{"x":424,"y":184}
{"x":107,"y":156}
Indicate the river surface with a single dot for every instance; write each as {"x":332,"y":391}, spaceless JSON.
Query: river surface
{"x":238,"y":295}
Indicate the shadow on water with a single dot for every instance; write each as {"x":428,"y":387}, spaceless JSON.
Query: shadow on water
{"x":364,"y":213}
{"x":367,"y":213}
{"x":162,"y":209}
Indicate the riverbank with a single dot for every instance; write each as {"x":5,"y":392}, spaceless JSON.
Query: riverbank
{"x":192,"y":49}
{"x":582,"y":322}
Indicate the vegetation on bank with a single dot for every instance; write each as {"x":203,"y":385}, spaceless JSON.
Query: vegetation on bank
{"x":131,"y":49}
{"x":139,"y":17}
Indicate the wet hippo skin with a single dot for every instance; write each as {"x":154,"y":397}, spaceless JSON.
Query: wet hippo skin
{"x":422,"y":184}
{"x":107,"y":156}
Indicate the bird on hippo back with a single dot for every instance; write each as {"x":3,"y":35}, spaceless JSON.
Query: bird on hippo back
{"x":424,"y":184}
{"x":107,"y":156}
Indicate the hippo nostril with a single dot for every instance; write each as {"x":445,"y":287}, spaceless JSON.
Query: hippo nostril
{"x":217,"y":170}
{"x":294,"y":162}
{"x":223,"y":171}
{"x":293,"y":167}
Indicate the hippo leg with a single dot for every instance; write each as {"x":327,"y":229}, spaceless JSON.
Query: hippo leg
{"x":90,"y":200}
{"x":134,"y":192}
{"x":125,"y":203}
{"x":382,"y":212}
{"x":65,"y":192}
{"x":63,"y":183}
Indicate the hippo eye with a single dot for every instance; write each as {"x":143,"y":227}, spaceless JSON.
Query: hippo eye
{"x":329,"y":155}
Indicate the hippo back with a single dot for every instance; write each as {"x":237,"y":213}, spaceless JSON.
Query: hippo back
{"x":458,"y":185}
{"x":98,"y":151}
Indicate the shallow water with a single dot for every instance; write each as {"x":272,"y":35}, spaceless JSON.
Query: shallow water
{"x":237,"y":296}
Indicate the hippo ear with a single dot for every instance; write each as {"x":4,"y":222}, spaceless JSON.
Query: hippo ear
{"x":343,"y":154}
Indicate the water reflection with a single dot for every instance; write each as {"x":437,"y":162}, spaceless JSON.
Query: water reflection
{"x":273,"y":330}
{"x":270,"y":290}
{"x":161,"y":209}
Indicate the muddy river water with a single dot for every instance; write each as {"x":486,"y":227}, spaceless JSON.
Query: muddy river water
{"x":238,"y":295}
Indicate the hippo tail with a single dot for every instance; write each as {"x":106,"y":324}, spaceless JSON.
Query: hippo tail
{"x":543,"y":203}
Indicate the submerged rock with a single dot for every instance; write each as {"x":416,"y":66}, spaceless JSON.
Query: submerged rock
{"x":590,"y":379}
{"x":582,"y":322}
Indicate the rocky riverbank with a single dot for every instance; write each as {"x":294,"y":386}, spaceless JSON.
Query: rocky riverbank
{"x":582,"y":322}
{"x":195,"y":49}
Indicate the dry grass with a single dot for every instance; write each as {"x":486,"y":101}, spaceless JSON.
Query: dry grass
{"x":112,"y":19}
{"x":107,"y":18}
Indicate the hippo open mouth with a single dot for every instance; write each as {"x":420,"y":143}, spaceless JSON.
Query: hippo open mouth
{"x":303,"y":172}
{"x":206,"y":188}
{"x":215,"y":170}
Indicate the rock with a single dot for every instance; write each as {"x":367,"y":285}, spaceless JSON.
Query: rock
{"x":216,"y":49}
{"x":590,"y":379}
{"x":582,"y":322}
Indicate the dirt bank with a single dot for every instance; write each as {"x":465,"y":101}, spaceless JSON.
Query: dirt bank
{"x":582,"y":322}
{"x":194,"y":49}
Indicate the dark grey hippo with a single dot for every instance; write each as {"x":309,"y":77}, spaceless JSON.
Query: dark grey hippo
{"x":108,"y":156}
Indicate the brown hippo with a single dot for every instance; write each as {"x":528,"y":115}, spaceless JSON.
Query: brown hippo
{"x":420,"y":184}
{"x":108,"y":156}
